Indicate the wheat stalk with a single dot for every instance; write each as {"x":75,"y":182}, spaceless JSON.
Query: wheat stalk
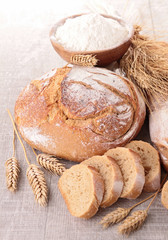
{"x":136,"y":220}
{"x":114,"y":217}
{"x":84,"y":60}
{"x":12,"y":170}
{"x":12,"y":173}
{"x":133,"y":222}
{"x":146,"y":63}
{"x":51,"y":164}
{"x":37,"y":182}
{"x":34,"y":174}
{"x":119,"y":214}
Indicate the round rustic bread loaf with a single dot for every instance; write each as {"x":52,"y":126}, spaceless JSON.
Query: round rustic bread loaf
{"x":78,"y":112}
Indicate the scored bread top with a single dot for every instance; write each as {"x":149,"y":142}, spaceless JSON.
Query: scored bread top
{"x":82,"y":188}
{"x":131,"y":169}
{"x":151,"y":163}
{"x":78,"y":112}
{"x":111,"y":174}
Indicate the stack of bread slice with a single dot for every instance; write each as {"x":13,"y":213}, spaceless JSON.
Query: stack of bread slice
{"x":99,"y":181}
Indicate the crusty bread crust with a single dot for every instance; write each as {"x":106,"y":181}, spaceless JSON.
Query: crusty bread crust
{"x":113,"y":171}
{"x":76,"y":113}
{"x":137,"y":186}
{"x":96,"y":198}
{"x":152,"y":166}
{"x":164,"y":195}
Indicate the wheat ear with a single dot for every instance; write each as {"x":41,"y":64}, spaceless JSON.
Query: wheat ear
{"x":114,"y":217}
{"x":34,"y":174}
{"x":84,"y":60}
{"x":51,"y":164}
{"x":133,"y":222}
{"x":12,"y":170}
{"x":37,"y":182}
{"x":119,"y":214}
{"x":136,"y":220}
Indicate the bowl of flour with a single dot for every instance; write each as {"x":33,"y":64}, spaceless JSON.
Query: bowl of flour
{"x":105,"y":37}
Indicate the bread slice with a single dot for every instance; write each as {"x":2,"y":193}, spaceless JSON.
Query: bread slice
{"x":131,"y":169}
{"x":164,"y":195}
{"x":82,"y":188}
{"x":111,"y":174}
{"x":151,"y":163}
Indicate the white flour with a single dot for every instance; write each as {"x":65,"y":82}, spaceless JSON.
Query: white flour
{"x":34,"y":135}
{"x":91,"y":32}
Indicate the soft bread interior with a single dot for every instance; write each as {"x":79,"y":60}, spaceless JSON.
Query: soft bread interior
{"x":127,"y":163}
{"x":111,"y":175}
{"x":149,"y":157}
{"x":77,"y":186}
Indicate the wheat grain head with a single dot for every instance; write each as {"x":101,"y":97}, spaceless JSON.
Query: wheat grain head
{"x":114,"y":217}
{"x":38,"y":183}
{"x":51,"y":164}
{"x":12,"y":173}
{"x":133,"y":222}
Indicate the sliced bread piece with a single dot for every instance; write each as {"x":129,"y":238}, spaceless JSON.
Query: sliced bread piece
{"x":151,"y":163}
{"x":164,"y":195}
{"x":82,"y":188}
{"x":111,"y":174}
{"x":131,"y":169}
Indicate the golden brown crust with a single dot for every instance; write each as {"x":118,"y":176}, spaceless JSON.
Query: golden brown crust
{"x":76,"y":118}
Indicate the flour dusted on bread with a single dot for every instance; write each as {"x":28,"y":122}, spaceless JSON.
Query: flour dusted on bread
{"x":82,"y":188}
{"x":111,"y":174}
{"x":151,"y":163}
{"x":79,"y":112}
{"x":131,"y":169}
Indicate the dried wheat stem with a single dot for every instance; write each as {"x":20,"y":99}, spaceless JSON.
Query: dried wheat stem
{"x":136,"y":220}
{"x":12,"y":170}
{"x":51,"y":163}
{"x":34,"y":151}
{"x":37,"y":182}
{"x":14,"y":143}
{"x":119,"y":214}
{"x":34,"y":174}
{"x":13,"y":123}
{"x":146,"y":63}
{"x":144,"y":200}
{"x":12,"y":173}
{"x":133,"y":222}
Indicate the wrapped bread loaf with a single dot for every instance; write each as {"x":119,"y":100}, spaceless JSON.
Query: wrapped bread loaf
{"x":78,"y":112}
{"x":158,"y":128}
